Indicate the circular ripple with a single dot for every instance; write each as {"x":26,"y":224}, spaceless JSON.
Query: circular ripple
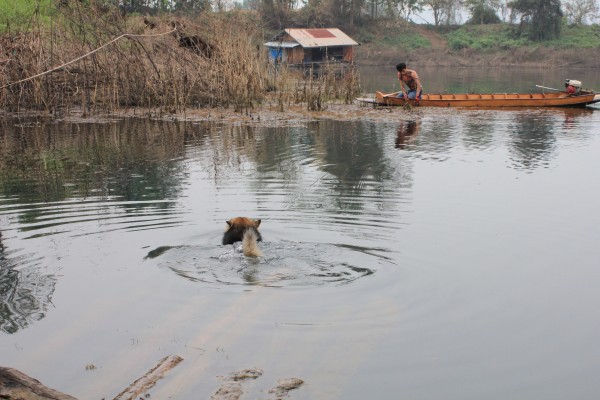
{"x":283,"y":264}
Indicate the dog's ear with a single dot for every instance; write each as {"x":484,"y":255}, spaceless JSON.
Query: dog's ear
{"x":228,"y":223}
{"x":257,"y":222}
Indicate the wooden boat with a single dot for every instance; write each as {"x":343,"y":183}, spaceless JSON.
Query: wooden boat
{"x":492,"y":100}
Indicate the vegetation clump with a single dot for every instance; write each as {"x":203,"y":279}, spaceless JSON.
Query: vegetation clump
{"x":166,"y":62}
{"x":132,"y":62}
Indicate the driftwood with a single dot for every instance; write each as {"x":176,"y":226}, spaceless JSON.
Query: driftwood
{"x":143,"y":384}
{"x":15,"y":385}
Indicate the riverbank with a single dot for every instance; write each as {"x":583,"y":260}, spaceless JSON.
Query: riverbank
{"x":266,"y":115}
{"x":538,"y":57}
{"x":181,"y":65}
{"x":437,"y":52}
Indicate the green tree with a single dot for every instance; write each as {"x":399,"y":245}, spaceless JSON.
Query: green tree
{"x":580,"y":11}
{"x":540,"y":19}
{"x":373,"y":8}
{"x":483,"y":11}
{"x":403,"y":8}
{"x":315,"y":14}
{"x":276,"y":13}
{"x":445,"y":12}
{"x":328,"y":13}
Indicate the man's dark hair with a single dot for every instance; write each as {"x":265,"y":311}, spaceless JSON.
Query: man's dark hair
{"x":401,"y":66}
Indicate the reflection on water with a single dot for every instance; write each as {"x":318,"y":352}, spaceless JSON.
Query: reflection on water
{"x":533,"y":139}
{"x":406,"y":133}
{"x":50,"y":162}
{"x":534,"y":135}
{"x":25,"y":294}
{"x":330,"y":179}
{"x":434,"y":245}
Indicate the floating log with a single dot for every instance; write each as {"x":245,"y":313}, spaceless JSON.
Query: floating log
{"x":15,"y":385}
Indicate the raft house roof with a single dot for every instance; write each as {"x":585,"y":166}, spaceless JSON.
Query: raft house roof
{"x":308,"y":38}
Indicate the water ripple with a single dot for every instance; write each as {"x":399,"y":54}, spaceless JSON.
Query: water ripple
{"x":285,"y":264}
{"x":90,"y":216}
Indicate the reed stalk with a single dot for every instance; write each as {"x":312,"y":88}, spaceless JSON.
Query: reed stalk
{"x":154,"y":72}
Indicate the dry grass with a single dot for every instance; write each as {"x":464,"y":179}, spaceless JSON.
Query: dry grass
{"x":163,"y":73}
{"x":152,"y":72}
{"x":332,"y":82}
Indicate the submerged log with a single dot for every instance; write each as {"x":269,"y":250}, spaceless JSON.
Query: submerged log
{"x":15,"y":385}
{"x":143,"y":384}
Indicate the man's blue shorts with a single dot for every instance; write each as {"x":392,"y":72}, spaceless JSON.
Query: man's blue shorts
{"x":412,"y":94}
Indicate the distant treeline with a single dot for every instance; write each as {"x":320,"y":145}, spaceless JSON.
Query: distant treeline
{"x":539,"y":20}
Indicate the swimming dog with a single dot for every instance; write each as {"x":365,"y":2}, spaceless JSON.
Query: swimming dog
{"x":245,"y":230}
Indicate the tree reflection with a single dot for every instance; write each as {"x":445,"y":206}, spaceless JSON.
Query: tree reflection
{"x":137,"y":162}
{"x":134,"y":161}
{"x":532,"y":139}
{"x":534,"y":134}
{"x":328,"y":164}
{"x":130,"y":159}
{"x":25,"y":295}
{"x":354,"y":153}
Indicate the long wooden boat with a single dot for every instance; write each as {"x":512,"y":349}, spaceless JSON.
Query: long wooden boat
{"x":492,"y":100}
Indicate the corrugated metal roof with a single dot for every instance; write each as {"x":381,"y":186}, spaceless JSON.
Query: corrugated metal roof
{"x":324,"y":37}
{"x":287,"y":45}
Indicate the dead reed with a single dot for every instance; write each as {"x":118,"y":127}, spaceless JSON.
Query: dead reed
{"x":153,"y":72}
{"x":329,"y":83}
{"x":215,"y":59}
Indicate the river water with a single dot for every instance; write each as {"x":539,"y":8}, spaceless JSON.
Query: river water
{"x":453,"y":255}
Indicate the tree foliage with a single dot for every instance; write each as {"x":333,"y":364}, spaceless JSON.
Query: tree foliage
{"x":540,"y":19}
{"x":580,"y":11}
{"x":276,"y":13}
{"x":483,"y":11}
{"x":445,"y":12}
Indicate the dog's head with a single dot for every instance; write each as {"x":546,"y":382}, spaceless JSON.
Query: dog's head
{"x":242,"y":223}
{"x":236,"y":227}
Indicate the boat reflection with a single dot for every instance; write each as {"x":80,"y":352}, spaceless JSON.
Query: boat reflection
{"x":572,"y":116}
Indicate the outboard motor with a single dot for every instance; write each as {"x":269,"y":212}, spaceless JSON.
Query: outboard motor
{"x":572,"y":86}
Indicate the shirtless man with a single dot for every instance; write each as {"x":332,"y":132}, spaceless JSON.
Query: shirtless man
{"x":410,"y":79}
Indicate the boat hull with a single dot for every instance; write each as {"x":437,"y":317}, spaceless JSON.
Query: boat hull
{"x":493,"y":100}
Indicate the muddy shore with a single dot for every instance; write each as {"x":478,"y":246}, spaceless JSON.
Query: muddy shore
{"x":265,"y":115}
